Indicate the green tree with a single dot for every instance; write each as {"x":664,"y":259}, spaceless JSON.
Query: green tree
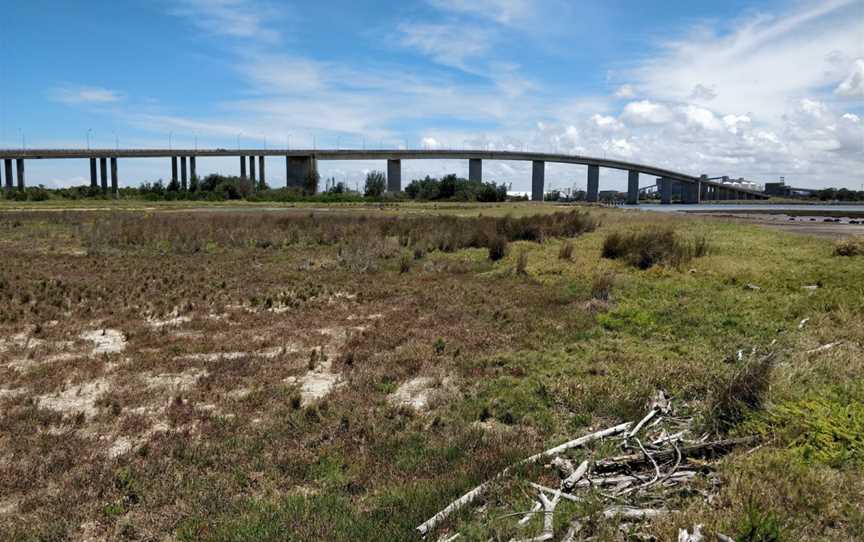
{"x":375,"y":184}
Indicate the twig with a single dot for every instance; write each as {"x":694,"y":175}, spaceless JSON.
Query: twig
{"x":642,"y":422}
{"x":555,"y":492}
{"x":824,"y":347}
{"x":637,"y":461}
{"x":575,"y":526}
{"x":614,"y":480}
{"x":469,"y":497}
{"x":627,"y":512}
{"x":534,"y":509}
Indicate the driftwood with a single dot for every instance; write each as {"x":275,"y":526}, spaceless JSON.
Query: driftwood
{"x":723,"y":538}
{"x":640,"y":461}
{"x":555,"y":492}
{"x":695,"y":536}
{"x":606,"y":481}
{"x":469,"y":497}
{"x":628,"y":512}
{"x":575,"y":526}
{"x":577,"y":475}
{"x":548,"y":519}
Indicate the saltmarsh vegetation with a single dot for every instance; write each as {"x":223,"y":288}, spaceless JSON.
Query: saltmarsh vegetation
{"x":534,"y":347}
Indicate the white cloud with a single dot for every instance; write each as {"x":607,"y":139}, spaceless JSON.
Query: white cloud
{"x":606,"y":122}
{"x":853,"y":85}
{"x":736,"y":123}
{"x":243,"y":19}
{"x":625,"y":92}
{"x":701,"y":117}
{"x":702,"y":93}
{"x":447,"y":44}
{"x":759,"y":64}
{"x":504,"y":12}
{"x":646,"y":112}
{"x":85,"y":95}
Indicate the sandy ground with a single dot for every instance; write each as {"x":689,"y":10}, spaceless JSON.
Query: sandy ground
{"x":805,"y":225}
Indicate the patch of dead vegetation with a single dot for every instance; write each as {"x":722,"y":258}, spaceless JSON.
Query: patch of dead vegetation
{"x":106,"y":340}
{"x":420,"y":392}
{"x":77,"y":399}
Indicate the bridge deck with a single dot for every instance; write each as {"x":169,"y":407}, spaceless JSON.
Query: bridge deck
{"x":363,"y":154}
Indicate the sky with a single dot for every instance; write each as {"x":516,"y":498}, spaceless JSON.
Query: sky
{"x":747,"y":89}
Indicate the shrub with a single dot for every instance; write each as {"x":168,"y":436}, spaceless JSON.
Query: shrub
{"x":732,"y":399}
{"x":405,"y":260}
{"x":651,"y":247}
{"x":497,"y":248}
{"x":759,"y":526}
{"x":854,"y":246}
{"x":602,"y":285}
{"x":522,"y":263}
{"x":566,"y":251}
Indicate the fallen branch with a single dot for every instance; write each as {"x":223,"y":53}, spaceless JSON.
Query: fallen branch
{"x":823,"y":348}
{"x":528,"y":515}
{"x":627,"y":512}
{"x":615,"y":480}
{"x":575,"y":526}
{"x":555,"y":492}
{"x":548,"y":519}
{"x":469,"y":497}
{"x":639,"y":461}
{"x":576,"y":476}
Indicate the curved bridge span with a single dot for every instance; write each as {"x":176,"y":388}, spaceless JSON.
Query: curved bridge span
{"x":300,"y":163}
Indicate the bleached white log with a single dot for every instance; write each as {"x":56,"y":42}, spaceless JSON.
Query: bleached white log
{"x":576,"y":476}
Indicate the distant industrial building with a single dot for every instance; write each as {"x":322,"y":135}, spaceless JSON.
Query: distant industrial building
{"x":780,"y":189}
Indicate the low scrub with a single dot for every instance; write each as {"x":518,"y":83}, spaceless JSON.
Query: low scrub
{"x":169,"y":233}
{"x":732,"y":399}
{"x":854,"y":246}
{"x":825,"y":427}
{"x":656,"y":246}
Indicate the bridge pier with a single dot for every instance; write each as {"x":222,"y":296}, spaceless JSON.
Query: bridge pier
{"x":394,"y":176}
{"x":8,"y":167}
{"x":593,"y":184}
{"x":192,"y":174}
{"x":633,"y":187}
{"x":298,"y":169}
{"x":665,"y":190}
{"x":93,"y":182}
{"x":20,"y":164}
{"x":261,"y":177}
{"x":114,"y":182}
{"x":691,"y":192}
{"x":183,"y":178}
{"x":252,"y":171}
{"x":475,"y":169}
{"x":538,"y":179}
{"x":174,"y":169}
{"x":243,"y":168}
{"x":103,"y":173}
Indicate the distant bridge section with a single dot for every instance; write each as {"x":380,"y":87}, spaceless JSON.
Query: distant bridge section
{"x":301,"y":164}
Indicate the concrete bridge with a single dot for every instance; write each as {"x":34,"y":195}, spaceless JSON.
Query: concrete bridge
{"x":300,"y":164}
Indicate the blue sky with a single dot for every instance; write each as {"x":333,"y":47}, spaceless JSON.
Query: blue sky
{"x":752,"y":89}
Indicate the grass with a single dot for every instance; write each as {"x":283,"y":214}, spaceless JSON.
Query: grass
{"x":227,"y":448}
